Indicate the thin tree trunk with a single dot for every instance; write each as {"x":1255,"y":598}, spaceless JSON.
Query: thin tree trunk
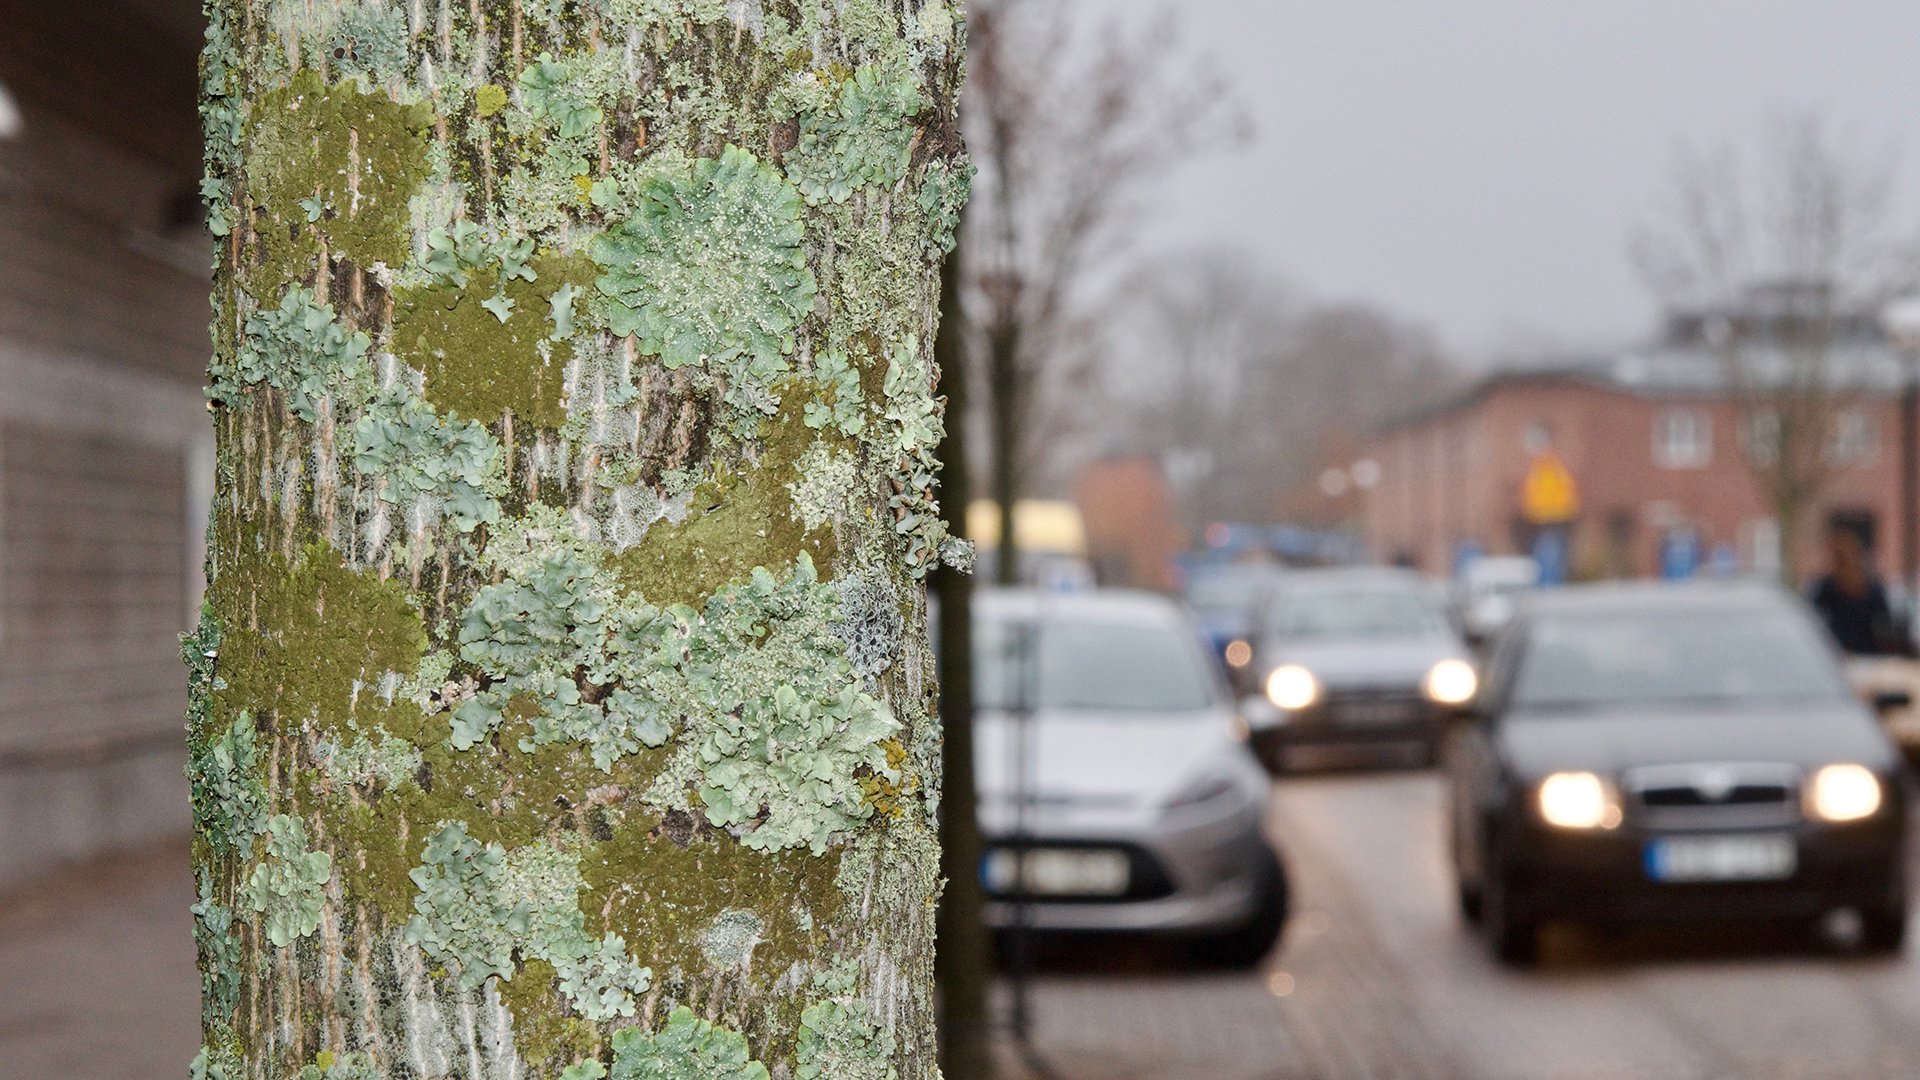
{"x":562,"y":706}
{"x":964,"y":966}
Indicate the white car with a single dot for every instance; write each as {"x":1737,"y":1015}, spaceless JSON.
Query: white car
{"x":1143,"y":805}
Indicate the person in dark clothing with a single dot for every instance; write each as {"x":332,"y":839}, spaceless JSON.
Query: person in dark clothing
{"x":1853,"y":602}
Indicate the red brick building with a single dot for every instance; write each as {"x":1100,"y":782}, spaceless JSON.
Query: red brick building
{"x":1658,"y":453}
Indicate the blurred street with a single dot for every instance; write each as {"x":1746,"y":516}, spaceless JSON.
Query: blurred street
{"x":1377,"y":979}
{"x":1381,"y":980}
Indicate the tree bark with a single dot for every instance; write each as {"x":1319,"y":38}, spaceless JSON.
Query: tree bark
{"x":562,"y":706}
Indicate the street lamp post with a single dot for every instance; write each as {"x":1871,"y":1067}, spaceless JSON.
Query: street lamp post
{"x":1900,"y":320}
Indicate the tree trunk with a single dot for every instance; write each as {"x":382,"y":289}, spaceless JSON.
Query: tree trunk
{"x":964,"y":967}
{"x":562,"y":703}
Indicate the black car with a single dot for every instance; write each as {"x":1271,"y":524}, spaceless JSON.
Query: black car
{"x":1672,"y":751}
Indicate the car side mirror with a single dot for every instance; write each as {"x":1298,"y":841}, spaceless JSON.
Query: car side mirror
{"x":1886,"y":701}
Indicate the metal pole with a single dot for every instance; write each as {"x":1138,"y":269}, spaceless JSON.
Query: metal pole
{"x":1910,"y":482}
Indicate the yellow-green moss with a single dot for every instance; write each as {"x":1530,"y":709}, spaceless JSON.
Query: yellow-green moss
{"x":640,"y":876}
{"x":478,"y":366}
{"x":309,"y":642}
{"x":737,"y":520}
{"x":332,"y":163}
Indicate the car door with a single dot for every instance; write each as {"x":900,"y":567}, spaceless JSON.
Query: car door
{"x":1474,"y":774}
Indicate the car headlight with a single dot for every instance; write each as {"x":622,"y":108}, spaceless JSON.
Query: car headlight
{"x":1578,"y":800}
{"x":1292,"y":687}
{"x":1451,"y":682}
{"x":1842,"y":793}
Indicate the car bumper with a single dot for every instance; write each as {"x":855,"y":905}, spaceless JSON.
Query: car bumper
{"x":1189,"y":877}
{"x":1605,"y":877}
{"x":1397,"y":716}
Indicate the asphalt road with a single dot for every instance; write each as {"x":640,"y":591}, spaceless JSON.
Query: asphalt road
{"x":1378,"y":978}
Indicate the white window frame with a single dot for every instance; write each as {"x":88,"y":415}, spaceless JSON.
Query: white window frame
{"x":1682,"y":438}
{"x":1853,"y":438}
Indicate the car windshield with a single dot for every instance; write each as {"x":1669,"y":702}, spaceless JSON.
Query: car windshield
{"x":1356,"y":611}
{"x":1674,"y":656}
{"x":1227,"y":592}
{"x":1090,"y":664}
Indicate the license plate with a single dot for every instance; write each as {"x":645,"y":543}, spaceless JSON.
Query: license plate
{"x":1376,"y":712}
{"x":1056,"y":872}
{"x":1721,"y":858}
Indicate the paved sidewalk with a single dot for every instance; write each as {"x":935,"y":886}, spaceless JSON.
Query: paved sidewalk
{"x":97,"y":982}
{"x":96,"y":972}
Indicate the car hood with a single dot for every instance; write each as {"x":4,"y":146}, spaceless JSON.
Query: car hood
{"x":1101,"y":759}
{"x":1608,"y":741}
{"x":1363,"y":662}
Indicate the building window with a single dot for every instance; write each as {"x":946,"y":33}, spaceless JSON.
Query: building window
{"x":1682,"y":439}
{"x":1851,"y":438}
{"x":1762,"y":436}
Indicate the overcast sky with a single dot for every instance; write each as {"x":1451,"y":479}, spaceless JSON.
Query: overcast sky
{"x":1478,"y":164}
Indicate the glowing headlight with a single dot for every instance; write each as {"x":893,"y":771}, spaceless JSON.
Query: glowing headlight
{"x":1291,"y":686}
{"x":1842,"y":793}
{"x":1451,"y":682}
{"x":1578,"y":800}
{"x":1239,"y":653}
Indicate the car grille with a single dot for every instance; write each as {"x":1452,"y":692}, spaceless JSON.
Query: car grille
{"x":1714,"y":795}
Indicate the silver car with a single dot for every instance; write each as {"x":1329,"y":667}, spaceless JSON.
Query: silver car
{"x":1143,"y":806}
{"x":1357,"y":656}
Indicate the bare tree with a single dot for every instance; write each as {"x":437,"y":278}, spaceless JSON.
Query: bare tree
{"x":1775,"y":260}
{"x":1241,"y":383}
{"x":1067,"y":127}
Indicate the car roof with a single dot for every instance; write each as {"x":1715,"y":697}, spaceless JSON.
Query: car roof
{"x":1655,"y":597}
{"x":1337,"y":576}
{"x":1103,"y":605}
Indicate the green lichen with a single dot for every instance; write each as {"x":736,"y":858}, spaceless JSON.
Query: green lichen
{"x":229,"y":800}
{"x":219,"y":955}
{"x":352,"y":1065}
{"x":825,"y":490}
{"x":944,"y":191}
{"x":687,"y":1048}
{"x":730,"y":939}
{"x":427,"y":465}
{"x":480,"y":906}
{"x":382,"y":761}
{"x":287,"y":885}
{"x":916,"y":428}
{"x":369,"y":42}
{"x":708,"y":269}
{"x":840,"y":1041}
{"x":781,"y":757}
{"x":554,"y":96}
{"x":839,"y":404}
{"x":862,"y":140}
{"x":300,"y":349}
